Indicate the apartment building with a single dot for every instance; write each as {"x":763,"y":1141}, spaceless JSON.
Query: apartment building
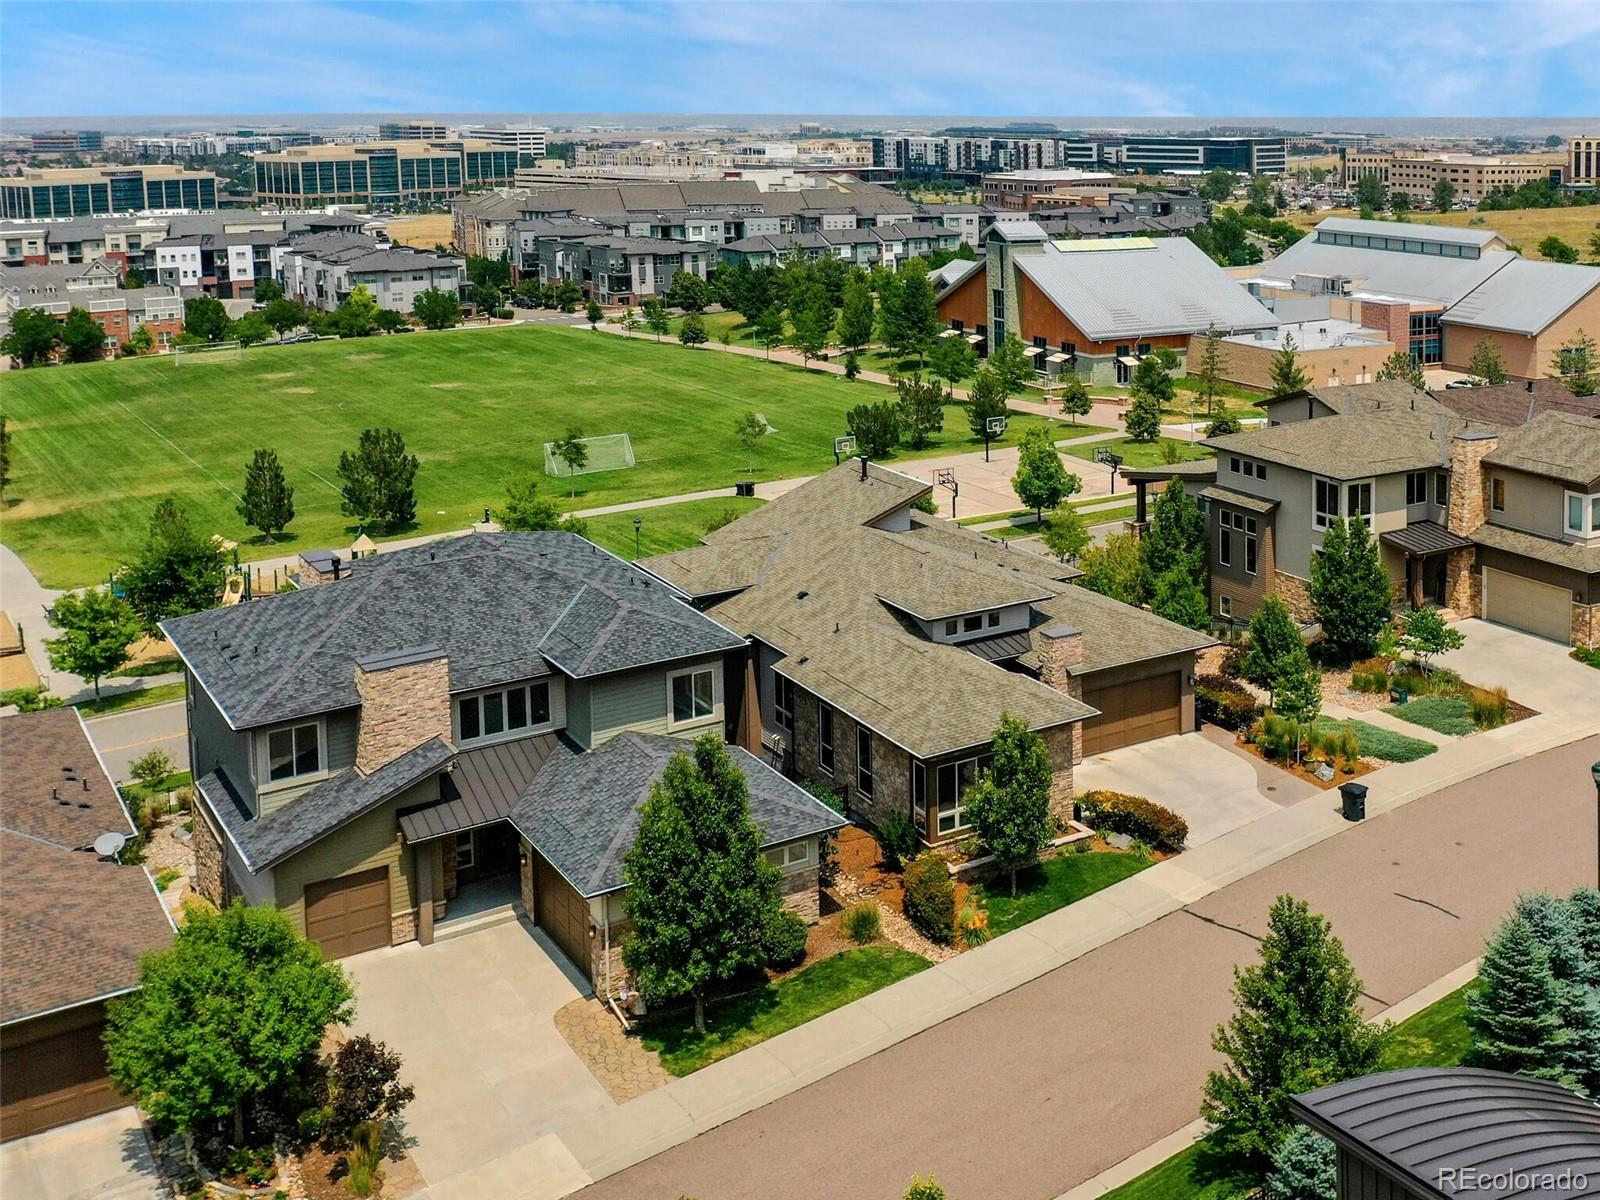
{"x":870,"y":246}
{"x":96,"y":288}
{"x":321,"y":270}
{"x":1016,"y":191}
{"x":382,"y":174}
{"x":412,"y":131}
{"x":68,"y":141}
{"x":1474,"y":176}
{"x":56,"y":192}
{"x":612,"y":269}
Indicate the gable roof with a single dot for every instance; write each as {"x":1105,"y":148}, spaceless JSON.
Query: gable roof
{"x":1516,"y":403}
{"x":952,"y":273}
{"x":1119,"y":288}
{"x":1557,"y":445}
{"x":1524,"y":296}
{"x":1351,"y":445}
{"x":579,"y":610}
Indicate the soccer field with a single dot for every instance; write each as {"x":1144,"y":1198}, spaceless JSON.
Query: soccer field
{"x":95,"y":446}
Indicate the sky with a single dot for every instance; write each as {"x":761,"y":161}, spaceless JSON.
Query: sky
{"x":911,"y":57}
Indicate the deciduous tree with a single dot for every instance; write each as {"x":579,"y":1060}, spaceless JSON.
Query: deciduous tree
{"x":178,"y":571}
{"x":1075,"y":399}
{"x":986,"y":399}
{"x":1040,"y":481}
{"x":1010,"y":364}
{"x":33,"y":336}
{"x":82,"y":339}
{"x":1274,"y":639}
{"x":1555,"y":249}
{"x":379,"y":480}
{"x":525,"y":510}
{"x":692,"y":332}
{"x":689,"y":292}
{"x":1066,"y":534}
{"x":921,"y":406}
{"x":1444,"y":194}
{"x":655,"y":317}
{"x":573,"y":452}
{"x":268,"y":500}
{"x":283,"y":314}
{"x":1112,"y":569}
{"x":1424,"y":633}
{"x":750,"y":429}
{"x":437,"y":309}
{"x":769,"y":328}
{"x":952,"y":359}
{"x":97,"y":627}
{"x":857,"y":317}
{"x":205,"y":318}
{"x":1009,"y":806}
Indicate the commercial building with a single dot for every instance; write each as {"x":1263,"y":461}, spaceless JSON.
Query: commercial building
{"x":412,"y":131}
{"x":321,"y":270}
{"x":1474,"y":177}
{"x":1583,"y":161}
{"x":1331,"y":352}
{"x":524,"y":139}
{"x":96,"y":288}
{"x":56,"y":192}
{"x":1019,"y":191}
{"x":1181,"y":155}
{"x":68,"y":141}
{"x":383,"y":174}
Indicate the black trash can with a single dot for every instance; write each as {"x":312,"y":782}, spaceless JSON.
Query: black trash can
{"x":1355,"y":801}
{"x":745,"y":487}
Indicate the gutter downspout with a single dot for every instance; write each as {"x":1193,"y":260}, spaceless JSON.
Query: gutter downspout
{"x":605,"y":924}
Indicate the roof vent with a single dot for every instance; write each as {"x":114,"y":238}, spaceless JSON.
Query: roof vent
{"x":801,"y":595}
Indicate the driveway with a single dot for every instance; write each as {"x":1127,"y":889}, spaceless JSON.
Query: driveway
{"x":473,"y":1020}
{"x":104,"y":1157}
{"x":1210,"y":785}
{"x":1539,"y":673}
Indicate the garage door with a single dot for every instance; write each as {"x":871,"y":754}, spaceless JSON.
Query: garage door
{"x":349,"y":914}
{"x":53,"y":1081}
{"x":1527,"y":604}
{"x":563,"y":914}
{"x":1131,"y":712}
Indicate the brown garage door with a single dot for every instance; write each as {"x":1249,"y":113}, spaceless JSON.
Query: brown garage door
{"x":349,"y":914}
{"x":563,"y":914}
{"x":55,"y":1080}
{"x":1131,"y":712}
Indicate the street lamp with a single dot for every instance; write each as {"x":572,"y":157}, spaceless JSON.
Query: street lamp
{"x":639,"y":521}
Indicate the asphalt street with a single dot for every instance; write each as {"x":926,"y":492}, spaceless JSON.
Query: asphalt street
{"x":123,"y":737}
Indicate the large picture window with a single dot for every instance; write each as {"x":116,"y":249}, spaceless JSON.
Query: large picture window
{"x":864,"y":776}
{"x":694,"y":695}
{"x":1583,"y":514}
{"x":825,"y":738}
{"x":294,"y":751}
{"x":503,"y":711}
{"x":954,"y":779}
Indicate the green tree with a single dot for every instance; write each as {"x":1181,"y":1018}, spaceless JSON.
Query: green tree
{"x":379,"y":480}
{"x":1211,"y":368}
{"x":594,"y":314}
{"x":1444,"y":194}
{"x":33,"y":337}
{"x":151,"y":768}
{"x":525,"y":510}
{"x":573,"y":452}
{"x":921,"y":406}
{"x":858,"y":316}
{"x":1400,"y":203}
{"x":1575,"y":366}
{"x":1066,"y":534}
{"x":487,"y":297}
{"x":1350,"y":588}
{"x":266,"y":291}
{"x":769,"y":328}
{"x":1486,"y":363}
{"x":268,"y":500}
{"x":1514,"y":1014}
{"x":1297,"y":692}
{"x":1285,"y":371}
{"x":1557,"y":250}
{"x":178,"y":571}
{"x":1176,"y":539}
{"x":1298,"y":1025}
{"x":1274,"y":640}
{"x":919,"y":315}
{"x":141,"y":341}
{"x":1217,"y":185}
{"x":812,"y":317}
{"x":700,"y":892}
{"x":1075,"y":399}
{"x":1040,"y":481}
{"x":1223,"y":424}
{"x":5,"y":454}
{"x":986,"y":399}
{"x":283,"y":315}
{"x":750,"y":429}
{"x":488,"y":272}
{"x":1556,"y":923}
{"x":232,"y":1013}
{"x":1142,"y":421}
{"x":689,"y":292}
{"x":1594,"y":246}
{"x":1371,"y":193}
{"x":568,"y":295}
{"x":205,"y":318}
{"x":692,"y":332}
{"x":1112,"y":569}
{"x":924,"y":1189}
{"x":437,"y":309}
{"x":82,"y":339}
{"x":357,"y":314}
{"x":1424,"y":633}
{"x":97,"y":627}
{"x":1306,"y":1167}
{"x":1401,"y":366}
{"x":952,"y":359}
{"x":1009,"y":806}
{"x":1010,"y":364}
{"x":876,"y":428}
{"x":133,"y":279}
{"x":655,"y":317}
{"x":251,"y":329}
{"x":1176,"y":596}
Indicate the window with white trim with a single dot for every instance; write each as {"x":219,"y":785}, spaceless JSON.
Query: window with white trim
{"x":1583,"y":514}
{"x":1225,"y":541}
{"x":825,"y":738}
{"x":954,"y":779}
{"x":864,"y":776}
{"x":793,"y":855}
{"x":1324,"y":503}
{"x":294,"y":751}
{"x":1358,"y":500}
{"x":1416,"y":487}
{"x":919,"y":797}
{"x":504,"y":711}
{"x":694,"y":695}
{"x":1250,"y":545}
{"x":1224,"y":607}
{"x":783,"y":702}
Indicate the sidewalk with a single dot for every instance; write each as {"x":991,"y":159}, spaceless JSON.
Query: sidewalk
{"x":609,"y":1142}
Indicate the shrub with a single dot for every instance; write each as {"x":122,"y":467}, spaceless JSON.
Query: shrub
{"x":783,"y":941}
{"x":898,"y":838}
{"x":1306,"y":1167}
{"x":1225,"y":702}
{"x":931,"y":896}
{"x":1376,"y":742}
{"x":1442,"y":714}
{"x":862,"y":922}
{"x":1489,"y":708}
{"x":29,"y":699}
{"x":924,"y":1189}
{"x":1370,"y":675}
{"x":1588,"y":657}
{"x":504,"y":314}
{"x":364,"y":1088}
{"x":827,"y":843}
{"x":1145,"y":820}
{"x":972,"y":923}
{"x":366,"y":1154}
{"x":167,"y":877}
{"x":1277,"y":737}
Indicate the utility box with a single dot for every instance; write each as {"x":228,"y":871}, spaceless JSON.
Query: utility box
{"x":1355,"y":801}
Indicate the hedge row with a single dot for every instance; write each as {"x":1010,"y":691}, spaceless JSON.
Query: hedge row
{"x":1117,"y":812}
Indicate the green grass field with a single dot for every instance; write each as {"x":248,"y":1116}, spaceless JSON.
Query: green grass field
{"x":1052,"y":884}
{"x":665,"y":528}
{"x":1139,"y":454}
{"x":94,"y":447}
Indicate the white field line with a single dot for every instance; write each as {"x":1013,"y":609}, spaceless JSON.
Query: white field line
{"x":180,"y":450}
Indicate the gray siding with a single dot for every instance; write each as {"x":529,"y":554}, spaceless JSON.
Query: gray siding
{"x":579,"y":723}
{"x":1533,"y":505}
{"x":342,"y":730}
{"x":212,"y":744}
{"x":637,"y":700}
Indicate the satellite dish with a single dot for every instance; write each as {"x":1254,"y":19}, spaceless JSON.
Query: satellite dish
{"x":109,"y":845}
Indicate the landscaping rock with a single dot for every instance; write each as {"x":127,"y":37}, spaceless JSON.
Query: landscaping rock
{"x":1119,"y":841}
{"x":1324,"y":771}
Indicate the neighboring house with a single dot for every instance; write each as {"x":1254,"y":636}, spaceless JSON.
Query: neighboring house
{"x":322,"y":269}
{"x":1495,"y":516}
{"x":94,"y":287}
{"x":610,"y":268}
{"x":74,"y":924}
{"x":866,"y":246}
{"x":1097,"y":306}
{"x":1434,"y":1133}
{"x":886,"y":644}
{"x":448,"y":719}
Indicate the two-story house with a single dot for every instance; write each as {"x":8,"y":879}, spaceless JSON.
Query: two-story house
{"x":886,"y":644}
{"x":484,"y":714}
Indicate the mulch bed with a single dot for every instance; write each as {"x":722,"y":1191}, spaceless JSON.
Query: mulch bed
{"x":322,"y":1176}
{"x":1299,"y":771}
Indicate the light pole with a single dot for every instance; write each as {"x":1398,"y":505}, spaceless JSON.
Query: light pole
{"x":637,"y":522}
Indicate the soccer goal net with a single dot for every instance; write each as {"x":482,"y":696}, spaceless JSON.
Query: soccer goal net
{"x":230,"y":352}
{"x":607,"y":452}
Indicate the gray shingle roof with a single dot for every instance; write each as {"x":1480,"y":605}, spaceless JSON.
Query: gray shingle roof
{"x":318,"y":812}
{"x":582,"y":812}
{"x":1350,"y":445}
{"x":1558,"y":445}
{"x":1449,"y":1131}
{"x":1243,"y":500}
{"x":1524,"y":296}
{"x":578,"y":607}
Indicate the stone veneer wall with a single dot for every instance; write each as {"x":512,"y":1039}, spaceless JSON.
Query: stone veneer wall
{"x":210,"y":869}
{"x":1463,"y":583}
{"x":1296,"y":593}
{"x":1064,"y":745}
{"x":1063,"y":652}
{"x":1586,"y":625}
{"x":403,"y":927}
{"x":1467,"y":508}
{"x":525,"y":877}
{"x":800,"y":894}
{"x":447,"y":855}
{"x":401,"y":707}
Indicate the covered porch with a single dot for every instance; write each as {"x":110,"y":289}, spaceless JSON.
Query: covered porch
{"x":1428,"y":548}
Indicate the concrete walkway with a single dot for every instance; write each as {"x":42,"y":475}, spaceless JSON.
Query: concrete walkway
{"x":101,"y":1158}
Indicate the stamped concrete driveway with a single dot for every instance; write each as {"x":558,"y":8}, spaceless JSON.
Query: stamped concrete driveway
{"x":104,"y":1157}
{"x":472,"y":1017}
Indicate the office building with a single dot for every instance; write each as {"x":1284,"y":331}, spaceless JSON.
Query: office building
{"x":68,"y":141}
{"x":381,"y":173}
{"x":102,"y":191}
{"x":524,"y":139}
{"x":1583,"y":161}
{"x":1177,"y":155}
{"x":1019,"y":190}
{"x":412,"y":131}
{"x":1474,"y":176}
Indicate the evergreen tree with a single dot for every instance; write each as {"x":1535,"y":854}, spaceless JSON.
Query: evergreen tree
{"x":1285,"y":370}
{"x":1274,"y":639}
{"x":1143,"y":418}
{"x":1401,"y":366}
{"x":1574,"y":364}
{"x":986,"y":398}
{"x":177,"y":572}
{"x":1175,"y":543}
{"x":1486,"y":363}
{"x":1010,"y":365}
{"x":857,"y":317}
{"x":700,"y":892}
{"x":1556,"y":924}
{"x":268,"y":502}
{"x":1515,"y":1012}
{"x":5,"y":454}
{"x":1009,"y":806}
{"x":876,"y":428}
{"x":1298,"y":1026}
{"x":82,"y":339}
{"x":379,"y":480}
{"x":97,"y":627}
{"x":1040,"y":481}
{"x":1350,"y":588}
{"x":1306,"y":1167}
{"x":1585,"y":904}
{"x":1211,"y":368}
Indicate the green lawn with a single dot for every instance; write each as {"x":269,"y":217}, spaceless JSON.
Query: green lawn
{"x":742,"y":1021}
{"x":95,"y":446}
{"x":134,"y":792}
{"x":122,"y":701}
{"x":1442,"y":714}
{"x":1387,"y":744}
{"x":1139,"y":454}
{"x":1026,"y":526}
{"x":665,"y":528}
{"x":158,"y":666}
{"x":1435,"y":1037}
{"x":1052,"y":884}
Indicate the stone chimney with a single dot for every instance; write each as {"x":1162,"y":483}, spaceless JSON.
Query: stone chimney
{"x":405,"y":700}
{"x":1468,"y":507}
{"x":1061,"y":646}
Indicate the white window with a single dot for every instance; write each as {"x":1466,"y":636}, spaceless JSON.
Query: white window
{"x":502,"y":712}
{"x":1416,"y":487}
{"x":694,"y":695}
{"x":783,"y":702}
{"x":1324,"y":503}
{"x":954,"y":780}
{"x":1224,"y":542}
{"x":825,"y":738}
{"x":793,"y":855}
{"x":1583,"y":514}
{"x":294,"y":751}
{"x":919,"y":797}
{"x":972,"y":624}
{"x":1224,"y":607}
{"x":1358,"y":500}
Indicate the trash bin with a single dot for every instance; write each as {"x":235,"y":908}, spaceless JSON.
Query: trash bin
{"x":744,"y":487}
{"x":1398,"y":695}
{"x":1355,"y":801}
